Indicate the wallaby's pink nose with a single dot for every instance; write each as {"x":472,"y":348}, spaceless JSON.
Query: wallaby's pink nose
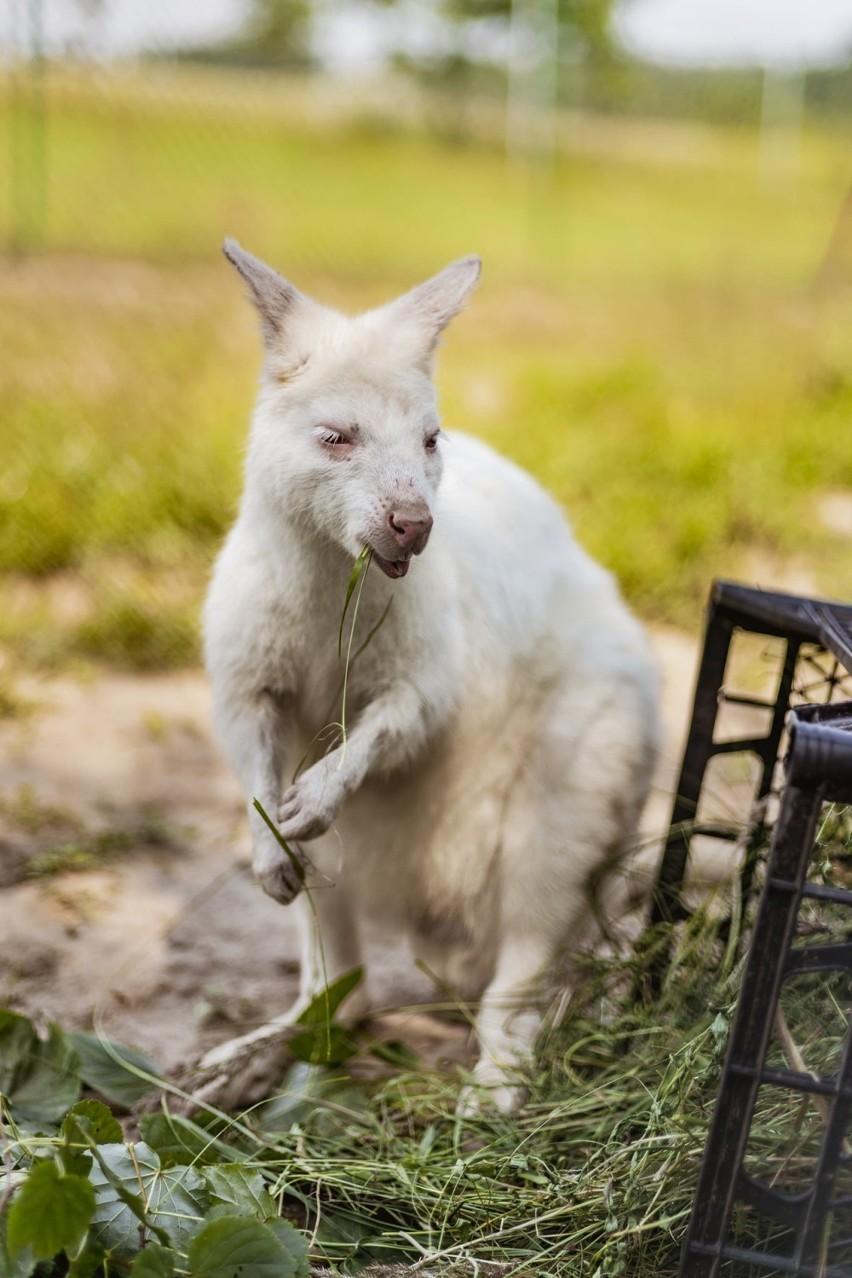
{"x":410,"y":532}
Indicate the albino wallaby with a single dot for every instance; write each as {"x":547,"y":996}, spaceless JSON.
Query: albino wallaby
{"x":502,"y":718}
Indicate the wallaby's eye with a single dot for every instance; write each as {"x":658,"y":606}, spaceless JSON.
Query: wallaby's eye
{"x":432,"y":443}
{"x":337,"y":442}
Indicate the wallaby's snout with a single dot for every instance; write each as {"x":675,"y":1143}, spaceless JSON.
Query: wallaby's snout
{"x":410,"y":526}
{"x":405,"y":533}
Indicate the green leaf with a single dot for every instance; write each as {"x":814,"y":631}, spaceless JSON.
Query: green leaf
{"x":300,"y":1088}
{"x":295,"y":1243}
{"x":50,"y":1212}
{"x":324,"y":1045}
{"x":235,"y":1247}
{"x":74,"y":1160}
{"x":22,"y":1264}
{"x":114,"y":1070}
{"x":93,"y":1121}
{"x":177,"y":1140}
{"x":40,"y":1077}
{"x":340,"y":1233}
{"x":360,"y":566}
{"x":88,"y":1261}
{"x":155,"y":1261}
{"x":121,"y":1213}
{"x":137,"y":1197}
{"x":241,"y":1189}
{"x":88,"y":1123}
{"x":303,"y":1092}
{"x":17,"y":1039}
{"x":321,"y":1010}
{"x":396,"y":1053}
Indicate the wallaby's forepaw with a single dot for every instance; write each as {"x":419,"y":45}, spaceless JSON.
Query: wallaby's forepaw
{"x":281,"y":882}
{"x":308,"y":808}
{"x":278,"y":875}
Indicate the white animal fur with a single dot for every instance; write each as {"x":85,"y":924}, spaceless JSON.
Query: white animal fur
{"x":502,"y":721}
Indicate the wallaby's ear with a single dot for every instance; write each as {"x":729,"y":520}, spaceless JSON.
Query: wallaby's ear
{"x":274,"y":297}
{"x":429,"y":307}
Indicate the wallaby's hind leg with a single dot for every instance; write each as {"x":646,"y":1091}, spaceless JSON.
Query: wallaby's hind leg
{"x":330,"y":933}
{"x":330,"y":947}
{"x":509,"y":1019}
{"x":573,"y":814}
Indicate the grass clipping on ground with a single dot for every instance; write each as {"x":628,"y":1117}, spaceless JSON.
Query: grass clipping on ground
{"x":595,"y":1176}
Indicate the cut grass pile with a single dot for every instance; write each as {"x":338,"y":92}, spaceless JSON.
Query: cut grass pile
{"x":594,"y":1178}
{"x":646,"y":340}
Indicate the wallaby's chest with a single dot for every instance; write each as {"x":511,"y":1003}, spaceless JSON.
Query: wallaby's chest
{"x":335,"y":672}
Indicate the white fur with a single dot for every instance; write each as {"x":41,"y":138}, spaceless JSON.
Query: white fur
{"x":501,"y":722}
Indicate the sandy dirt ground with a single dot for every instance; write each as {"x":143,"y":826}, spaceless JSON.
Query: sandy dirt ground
{"x":167,"y":944}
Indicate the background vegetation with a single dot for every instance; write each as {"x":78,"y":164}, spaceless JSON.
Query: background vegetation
{"x":662,"y":334}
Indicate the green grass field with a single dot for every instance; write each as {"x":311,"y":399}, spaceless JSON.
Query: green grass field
{"x":649,"y":339}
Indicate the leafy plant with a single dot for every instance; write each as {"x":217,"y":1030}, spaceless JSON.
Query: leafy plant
{"x":178,"y":1201}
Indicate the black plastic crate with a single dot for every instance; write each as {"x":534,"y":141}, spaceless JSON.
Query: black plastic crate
{"x":793,"y":1217}
{"x":781,"y":1205}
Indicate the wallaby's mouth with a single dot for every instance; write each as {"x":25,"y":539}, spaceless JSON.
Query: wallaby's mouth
{"x":392,"y":567}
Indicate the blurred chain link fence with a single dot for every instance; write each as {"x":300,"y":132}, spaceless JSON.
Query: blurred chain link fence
{"x":534,"y":90}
